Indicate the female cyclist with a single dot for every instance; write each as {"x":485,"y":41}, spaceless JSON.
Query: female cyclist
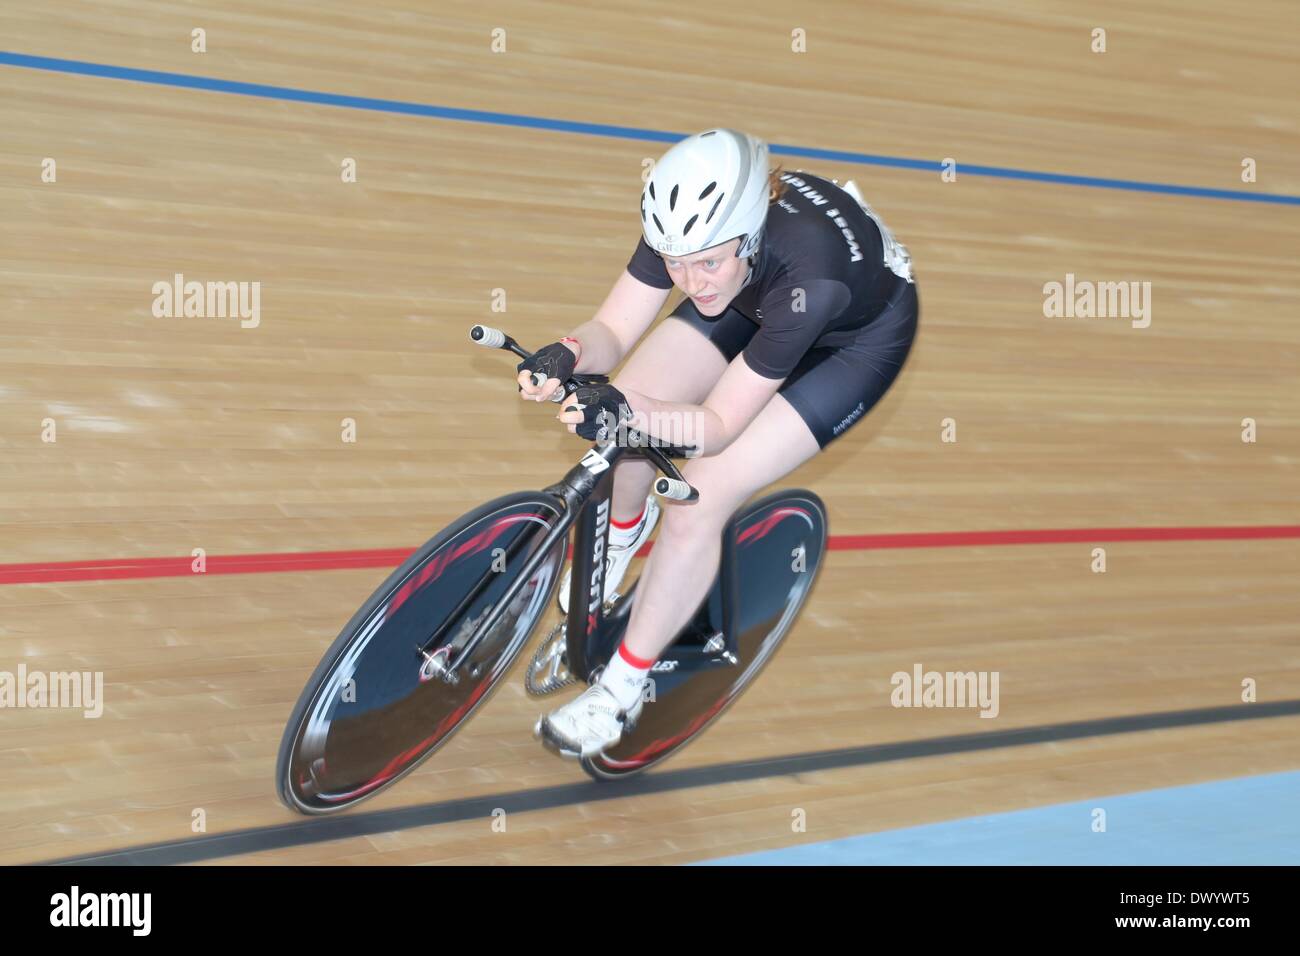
{"x":799,"y":312}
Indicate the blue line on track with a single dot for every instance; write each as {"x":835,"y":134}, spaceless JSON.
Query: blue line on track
{"x":187,"y":81}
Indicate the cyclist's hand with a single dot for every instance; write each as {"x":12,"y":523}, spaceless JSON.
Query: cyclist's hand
{"x":536,"y":393}
{"x":594,"y":412}
{"x":556,"y":361}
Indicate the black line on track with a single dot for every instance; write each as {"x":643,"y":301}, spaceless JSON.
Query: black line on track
{"x":324,"y":829}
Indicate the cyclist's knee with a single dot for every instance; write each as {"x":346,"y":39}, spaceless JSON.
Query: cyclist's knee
{"x":688,"y":527}
{"x":704,"y":517}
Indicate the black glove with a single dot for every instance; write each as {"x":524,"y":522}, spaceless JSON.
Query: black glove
{"x":554,"y":361}
{"x":604,"y":410}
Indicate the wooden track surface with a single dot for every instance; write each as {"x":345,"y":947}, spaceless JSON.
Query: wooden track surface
{"x":176,"y":433}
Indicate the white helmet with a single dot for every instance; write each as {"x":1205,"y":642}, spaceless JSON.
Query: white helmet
{"x":705,"y":191}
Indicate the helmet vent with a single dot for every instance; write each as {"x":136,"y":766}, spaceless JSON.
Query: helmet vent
{"x":708,"y":189}
{"x":709,"y":217}
{"x":652,"y":190}
{"x":672,"y":199}
{"x":659,"y":224}
{"x":690,"y":222}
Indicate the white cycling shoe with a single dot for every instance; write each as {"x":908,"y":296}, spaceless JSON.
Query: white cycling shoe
{"x":618,"y":555}
{"x":592,"y":722}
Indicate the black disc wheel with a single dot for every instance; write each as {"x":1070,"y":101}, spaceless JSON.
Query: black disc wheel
{"x":778,"y":546}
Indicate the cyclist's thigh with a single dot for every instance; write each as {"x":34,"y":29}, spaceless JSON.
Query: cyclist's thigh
{"x":685,"y":355}
{"x":775,"y":443}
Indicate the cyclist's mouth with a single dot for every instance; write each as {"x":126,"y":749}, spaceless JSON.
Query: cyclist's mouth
{"x":706,"y":299}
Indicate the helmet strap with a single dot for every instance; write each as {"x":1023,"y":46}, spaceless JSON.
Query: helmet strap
{"x":751,"y":260}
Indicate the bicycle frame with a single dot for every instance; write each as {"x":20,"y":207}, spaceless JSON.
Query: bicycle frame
{"x":585,"y":493}
{"x":592,"y":634}
{"x":589,"y":627}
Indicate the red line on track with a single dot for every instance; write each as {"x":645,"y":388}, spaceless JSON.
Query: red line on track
{"x":45,"y":572}
{"x":973,"y":539}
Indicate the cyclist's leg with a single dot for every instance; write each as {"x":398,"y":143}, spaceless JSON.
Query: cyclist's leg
{"x":675,"y":363}
{"x":828,"y":392}
{"x":681,"y":567}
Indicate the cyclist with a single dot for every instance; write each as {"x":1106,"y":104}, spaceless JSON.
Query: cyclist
{"x":799,"y":311}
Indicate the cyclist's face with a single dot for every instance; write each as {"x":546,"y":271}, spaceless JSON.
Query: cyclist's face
{"x":711,"y":277}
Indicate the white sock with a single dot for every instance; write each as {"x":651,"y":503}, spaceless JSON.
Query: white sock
{"x":622,"y":537}
{"x":625,"y":678}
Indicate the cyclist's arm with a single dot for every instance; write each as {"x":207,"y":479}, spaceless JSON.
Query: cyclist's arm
{"x":619,"y":323}
{"x":737,"y":398}
{"x":753,"y":376}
